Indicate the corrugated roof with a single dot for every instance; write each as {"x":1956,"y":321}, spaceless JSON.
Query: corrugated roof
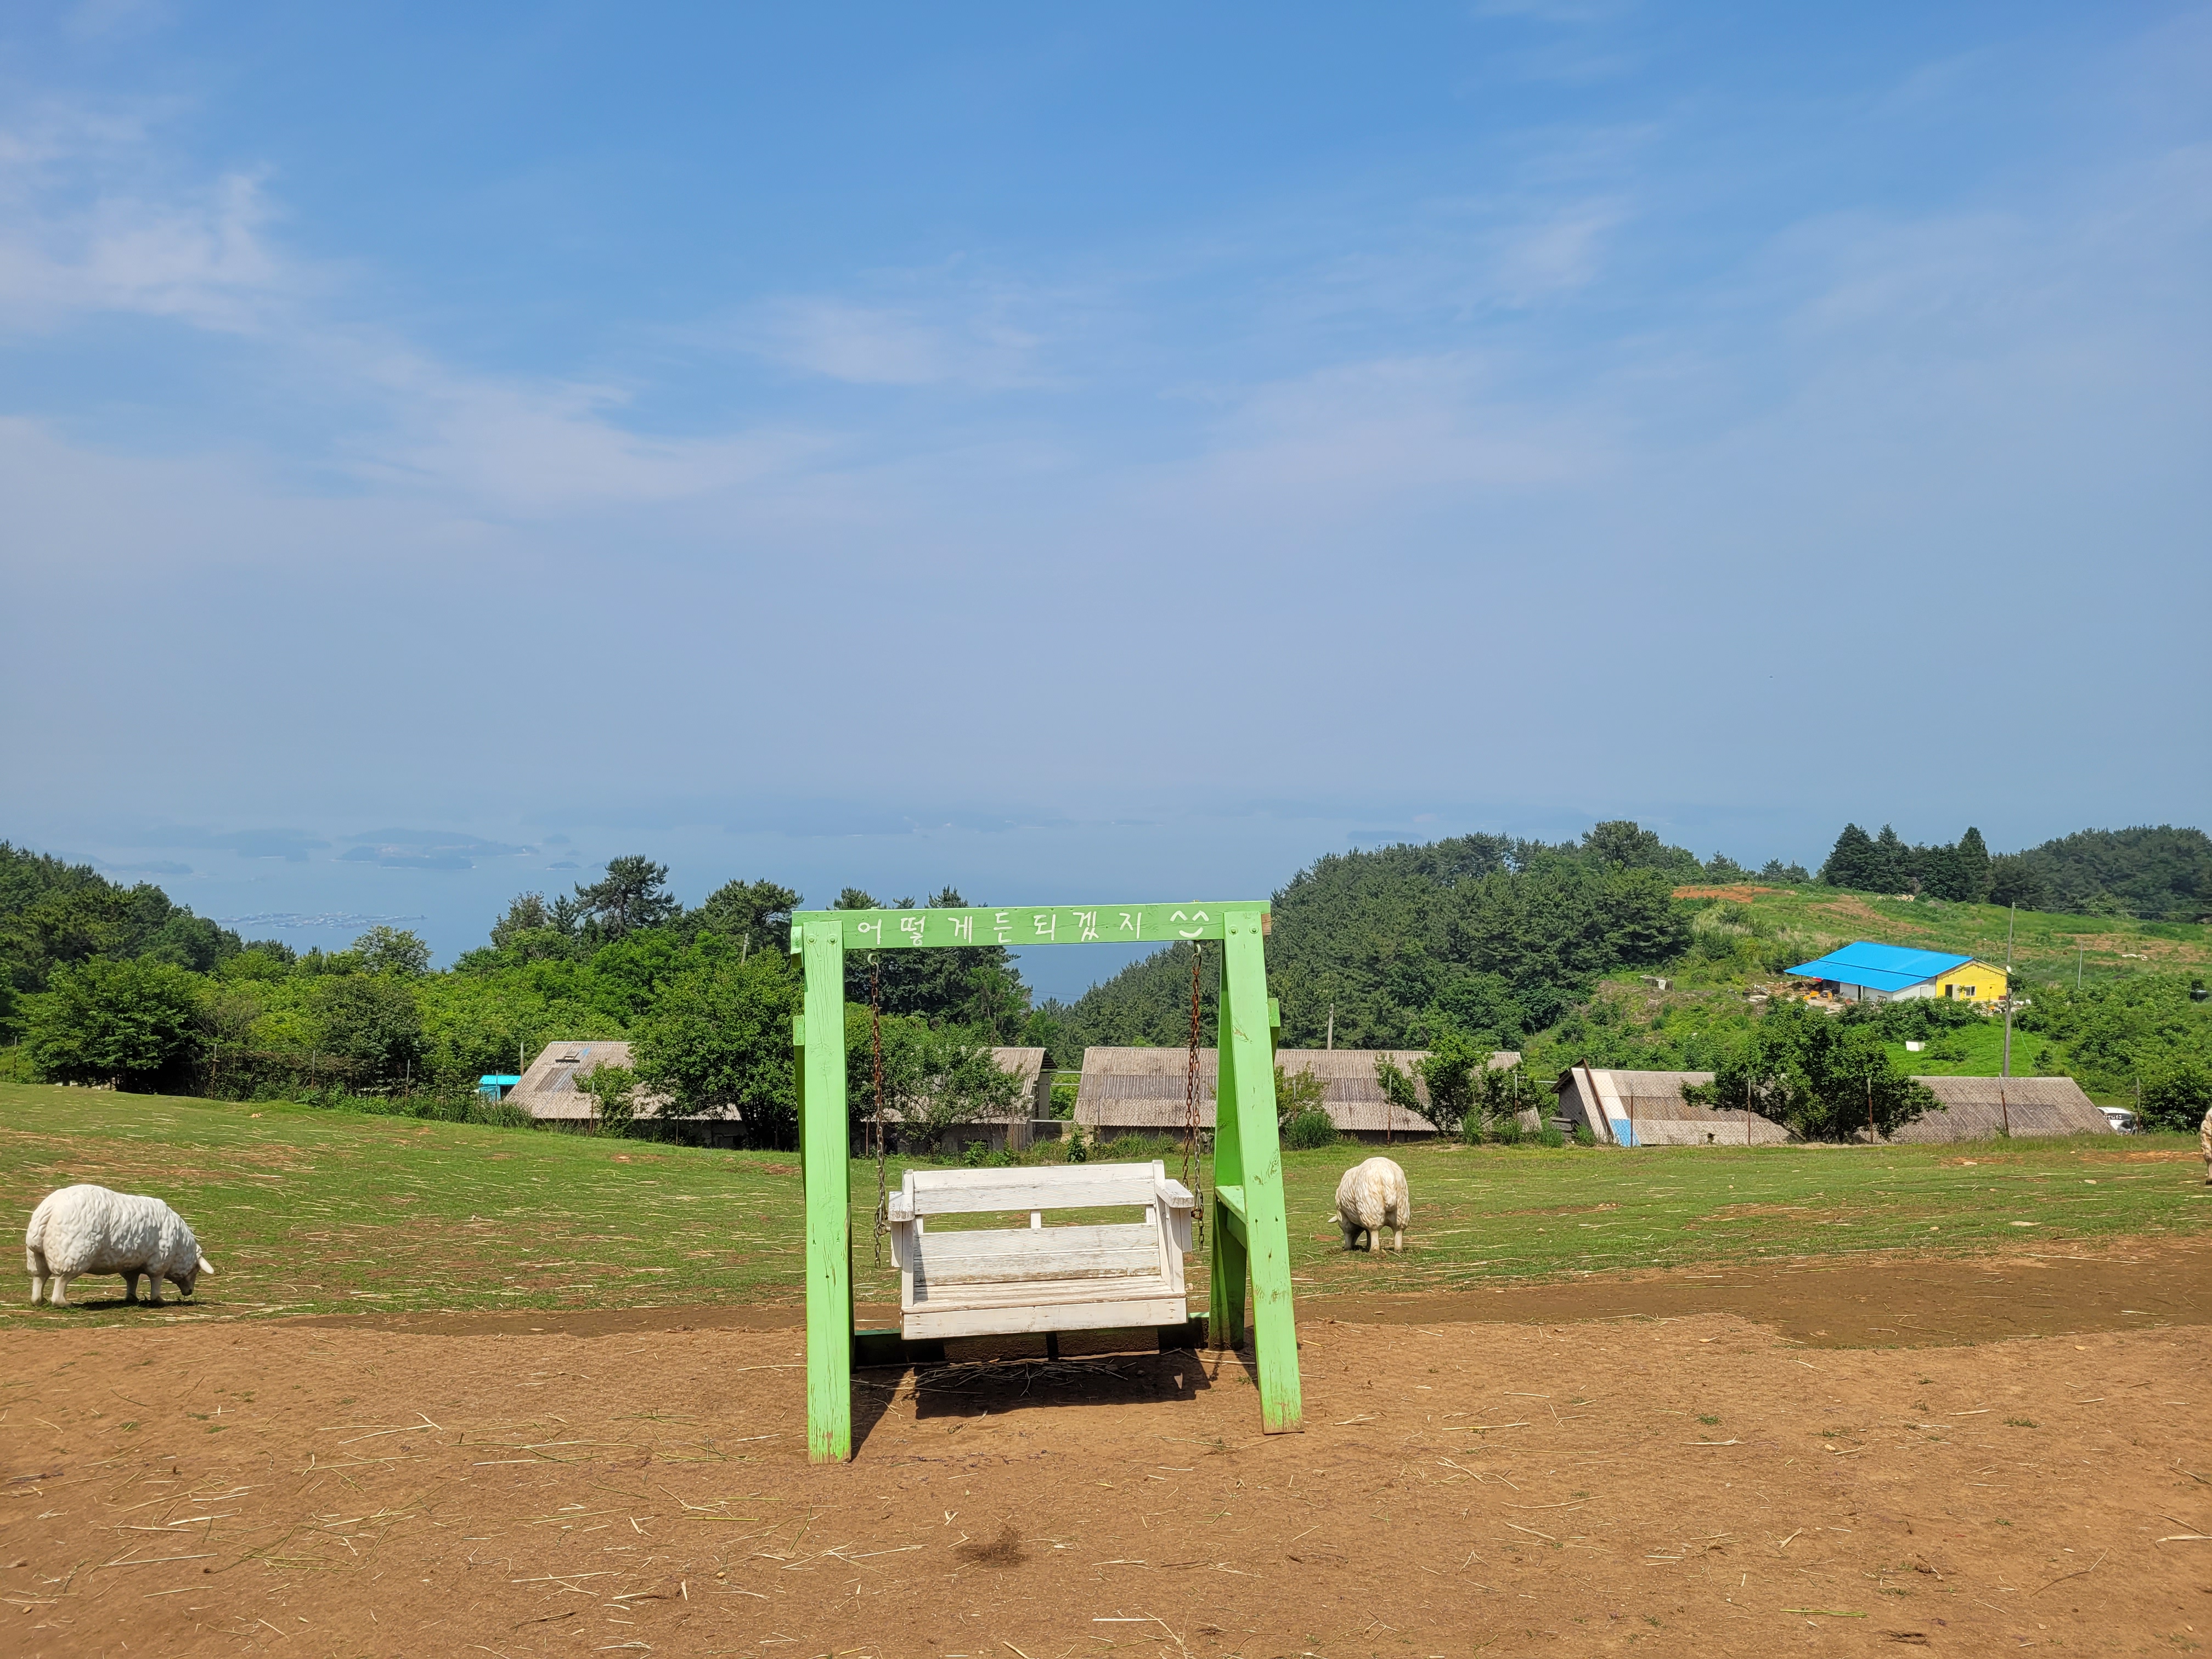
{"x":1146,"y":1088}
{"x":1026,"y":1064}
{"x":1879,"y":967}
{"x":1975,"y":1108}
{"x":548,"y":1091}
{"x":1654,"y":1094}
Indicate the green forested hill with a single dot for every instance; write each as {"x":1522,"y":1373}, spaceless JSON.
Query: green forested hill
{"x":2154,"y":874}
{"x":55,"y":914}
{"x":1561,"y":952}
{"x":1496,"y":936}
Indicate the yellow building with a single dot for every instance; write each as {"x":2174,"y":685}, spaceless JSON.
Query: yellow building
{"x":1972,"y":982}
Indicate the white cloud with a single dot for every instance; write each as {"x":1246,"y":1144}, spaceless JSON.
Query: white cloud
{"x":1554,"y":254}
{"x":1367,"y":441}
{"x":86,"y":226}
{"x":865,"y":345}
{"x":939,"y":332}
{"x":531,"y":447}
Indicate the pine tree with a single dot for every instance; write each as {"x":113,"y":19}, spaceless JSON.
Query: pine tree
{"x":1853,"y":862}
{"x":1895,"y":868}
{"x":1973,"y":866}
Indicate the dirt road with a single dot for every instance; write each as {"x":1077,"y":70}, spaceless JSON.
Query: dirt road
{"x":1683,"y":1479}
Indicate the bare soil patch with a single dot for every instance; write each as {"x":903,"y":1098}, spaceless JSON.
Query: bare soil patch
{"x":1664,"y":1473}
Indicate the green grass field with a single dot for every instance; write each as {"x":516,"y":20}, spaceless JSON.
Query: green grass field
{"x":311,"y":1211}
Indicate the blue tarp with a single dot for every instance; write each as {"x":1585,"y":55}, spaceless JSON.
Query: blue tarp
{"x":1879,"y":967}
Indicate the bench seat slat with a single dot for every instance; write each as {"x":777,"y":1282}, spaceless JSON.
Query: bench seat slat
{"x":925,"y":1324}
{"x":1022,"y":1293}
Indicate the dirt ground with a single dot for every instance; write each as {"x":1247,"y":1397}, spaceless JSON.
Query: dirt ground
{"x":1678,"y":1463}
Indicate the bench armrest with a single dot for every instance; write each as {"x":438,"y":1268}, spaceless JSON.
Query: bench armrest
{"x":1178,"y":1208}
{"x":905,"y":1229}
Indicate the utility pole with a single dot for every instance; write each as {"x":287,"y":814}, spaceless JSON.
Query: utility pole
{"x":2004,"y":1106}
{"x":1331,"y":1043}
{"x":2081,"y":953}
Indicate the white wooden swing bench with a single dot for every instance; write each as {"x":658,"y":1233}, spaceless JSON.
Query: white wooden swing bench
{"x":1004,"y":1281}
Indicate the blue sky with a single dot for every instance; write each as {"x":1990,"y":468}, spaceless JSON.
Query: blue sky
{"x":1074,"y":454}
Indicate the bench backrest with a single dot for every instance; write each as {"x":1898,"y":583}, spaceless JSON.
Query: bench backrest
{"x":1056,"y":1187}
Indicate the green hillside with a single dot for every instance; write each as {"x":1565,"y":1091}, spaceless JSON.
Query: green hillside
{"x":2046,"y":947}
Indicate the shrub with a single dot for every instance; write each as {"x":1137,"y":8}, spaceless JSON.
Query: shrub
{"x":1549,"y":1135}
{"x":1583,"y":1136}
{"x":1296,"y":1092}
{"x":613,"y":1091}
{"x":2177,"y":1094}
{"x":1309,"y":1131}
{"x":134,"y":1024}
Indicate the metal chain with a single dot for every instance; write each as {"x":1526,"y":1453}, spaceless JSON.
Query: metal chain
{"x":1190,"y":1159}
{"x":876,"y":1033}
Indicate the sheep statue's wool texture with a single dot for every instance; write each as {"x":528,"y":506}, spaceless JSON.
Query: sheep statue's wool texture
{"x":89,"y":1229}
{"x":1372,"y":1196}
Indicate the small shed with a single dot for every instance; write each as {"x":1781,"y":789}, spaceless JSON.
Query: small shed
{"x":1646,"y":1109}
{"x":1144,"y":1090}
{"x":548,"y":1091}
{"x":1976,"y":1108}
{"x":497,"y":1085}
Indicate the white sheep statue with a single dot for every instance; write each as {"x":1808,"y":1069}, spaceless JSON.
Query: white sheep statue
{"x":1372,"y":1196}
{"x":89,"y":1229}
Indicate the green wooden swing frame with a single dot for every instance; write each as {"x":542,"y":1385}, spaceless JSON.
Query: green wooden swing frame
{"x":1249,"y":1236}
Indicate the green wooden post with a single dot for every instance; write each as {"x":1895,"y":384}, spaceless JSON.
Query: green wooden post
{"x":825,"y":1157}
{"x":1230,"y":1253}
{"x":1247,"y":1052}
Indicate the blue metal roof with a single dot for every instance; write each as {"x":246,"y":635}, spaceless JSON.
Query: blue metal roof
{"x":508,"y":1077}
{"x":1879,"y":967}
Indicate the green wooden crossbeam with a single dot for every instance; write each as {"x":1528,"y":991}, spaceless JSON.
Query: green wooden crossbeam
{"x":1022,"y":925}
{"x":1251,"y":1233}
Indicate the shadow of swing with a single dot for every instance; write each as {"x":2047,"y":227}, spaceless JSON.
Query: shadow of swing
{"x":979,"y":1376}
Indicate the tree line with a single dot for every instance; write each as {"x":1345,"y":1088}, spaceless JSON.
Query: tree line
{"x":1455,"y":946}
{"x":2151,"y":873}
{"x":161,"y":1001}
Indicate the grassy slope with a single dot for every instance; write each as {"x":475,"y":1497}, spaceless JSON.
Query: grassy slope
{"x":1972,"y":1051}
{"x":2044,"y":946}
{"x":1708,"y":995}
{"x":309,"y":1212}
